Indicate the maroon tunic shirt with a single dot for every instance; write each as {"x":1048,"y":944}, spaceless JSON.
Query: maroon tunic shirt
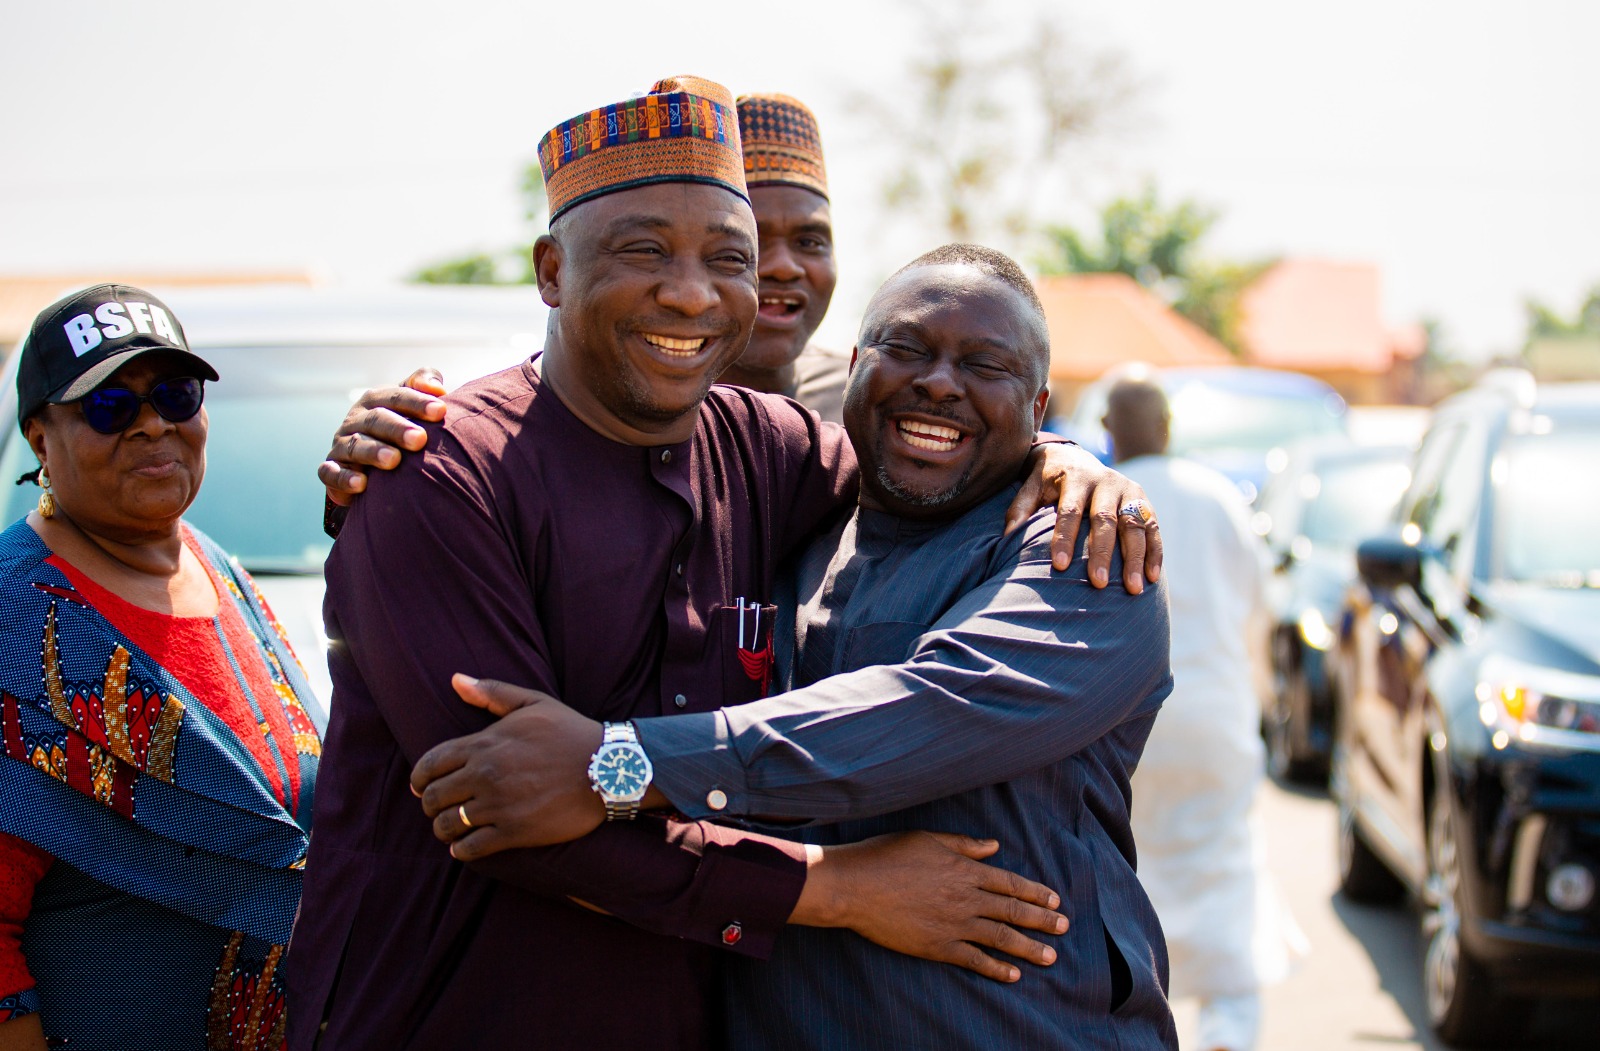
{"x":525,"y":547}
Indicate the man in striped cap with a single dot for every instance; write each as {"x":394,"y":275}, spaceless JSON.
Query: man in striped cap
{"x":598,"y":523}
{"x":788,"y":192}
{"x":788,"y":182}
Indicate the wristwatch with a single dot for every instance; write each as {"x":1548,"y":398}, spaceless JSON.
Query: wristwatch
{"x":619,"y":772}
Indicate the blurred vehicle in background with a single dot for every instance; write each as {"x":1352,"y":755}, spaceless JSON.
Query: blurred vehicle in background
{"x":1329,"y":496}
{"x":1466,"y":767}
{"x":1387,"y":424}
{"x":1229,"y":418}
{"x":292,"y":360}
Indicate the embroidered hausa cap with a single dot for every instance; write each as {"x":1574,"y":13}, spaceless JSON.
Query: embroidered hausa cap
{"x":781,"y":143}
{"x":76,"y":343}
{"x":684,"y":129}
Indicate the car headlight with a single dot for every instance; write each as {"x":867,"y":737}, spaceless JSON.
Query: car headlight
{"x":1539,"y":705}
{"x":1315,"y":631}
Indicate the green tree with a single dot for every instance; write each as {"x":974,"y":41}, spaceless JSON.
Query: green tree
{"x":511,"y":266}
{"x":1137,"y":237}
{"x":479,"y":269}
{"x":1441,"y":370}
{"x":1543,"y":321}
{"x":1159,"y":247}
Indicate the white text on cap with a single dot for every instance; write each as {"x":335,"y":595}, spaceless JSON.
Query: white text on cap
{"x":119,"y":320}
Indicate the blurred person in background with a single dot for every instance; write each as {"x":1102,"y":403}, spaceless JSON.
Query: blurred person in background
{"x":788,"y":186}
{"x":158,"y":763}
{"x":1194,"y":789}
{"x":788,"y":182}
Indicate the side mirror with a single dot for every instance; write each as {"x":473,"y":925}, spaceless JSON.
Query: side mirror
{"x":1388,"y":562}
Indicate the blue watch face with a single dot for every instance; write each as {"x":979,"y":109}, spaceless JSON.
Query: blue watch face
{"x":621,"y":772}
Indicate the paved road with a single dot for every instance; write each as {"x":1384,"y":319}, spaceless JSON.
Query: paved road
{"x":1360,"y":985}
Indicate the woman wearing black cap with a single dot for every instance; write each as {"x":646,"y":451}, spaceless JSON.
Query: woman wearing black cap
{"x":157,"y":764}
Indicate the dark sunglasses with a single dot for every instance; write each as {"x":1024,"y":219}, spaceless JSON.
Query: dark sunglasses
{"x":111,"y":410}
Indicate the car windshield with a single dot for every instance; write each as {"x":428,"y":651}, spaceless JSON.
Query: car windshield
{"x":1351,"y":501}
{"x":271,"y":418}
{"x":1208,"y":418}
{"x":1545,"y":516}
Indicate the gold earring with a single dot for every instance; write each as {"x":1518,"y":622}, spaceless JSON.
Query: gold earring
{"x":47,"y":499}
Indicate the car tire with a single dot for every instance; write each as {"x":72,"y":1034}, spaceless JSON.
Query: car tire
{"x":1463,"y":1006}
{"x":1285,"y":762}
{"x":1363,"y":877}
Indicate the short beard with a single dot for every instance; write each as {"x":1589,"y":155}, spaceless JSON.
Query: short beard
{"x":925,"y":500}
{"x":638,"y":402}
{"x":640,"y":407}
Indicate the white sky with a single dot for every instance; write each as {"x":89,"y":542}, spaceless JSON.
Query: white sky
{"x":1453,"y":143}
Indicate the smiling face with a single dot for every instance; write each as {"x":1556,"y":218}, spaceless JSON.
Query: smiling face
{"x":656,"y":290}
{"x":134,"y":484}
{"x":797,"y":274}
{"x":947,"y":391}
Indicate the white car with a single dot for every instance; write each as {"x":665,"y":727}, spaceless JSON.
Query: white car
{"x":292,"y":360}
{"x":1231,"y":418}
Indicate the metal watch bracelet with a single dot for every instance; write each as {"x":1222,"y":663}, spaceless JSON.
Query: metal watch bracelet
{"x":620,"y":733}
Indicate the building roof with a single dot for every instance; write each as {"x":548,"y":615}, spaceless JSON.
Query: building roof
{"x":22,"y":296}
{"x":1099,"y":321}
{"x":1318,"y":315}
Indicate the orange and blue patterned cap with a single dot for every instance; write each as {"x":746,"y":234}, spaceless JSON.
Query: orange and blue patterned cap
{"x":781,"y":143}
{"x":684,"y":130}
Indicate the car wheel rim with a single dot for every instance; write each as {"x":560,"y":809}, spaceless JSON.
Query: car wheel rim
{"x":1441,"y":920}
{"x":1278,"y":740}
{"x":1278,"y":711}
{"x":1347,"y":839}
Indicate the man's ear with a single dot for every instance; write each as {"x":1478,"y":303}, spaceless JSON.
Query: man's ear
{"x":547,"y":259}
{"x":855,"y":352}
{"x":1039,"y":405}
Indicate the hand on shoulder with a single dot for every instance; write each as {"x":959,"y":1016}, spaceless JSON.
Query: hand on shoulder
{"x":379,"y":430}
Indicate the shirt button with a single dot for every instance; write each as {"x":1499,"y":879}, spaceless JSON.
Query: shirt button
{"x":680,"y":569}
{"x":717,"y":799}
{"x":732,"y":933}
{"x":680,"y":700}
{"x":666,"y":455}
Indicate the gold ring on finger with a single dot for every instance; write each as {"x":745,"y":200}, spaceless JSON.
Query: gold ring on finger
{"x":461,"y":812}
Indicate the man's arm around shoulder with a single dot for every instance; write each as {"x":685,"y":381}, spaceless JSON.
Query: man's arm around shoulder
{"x":1026,"y":669}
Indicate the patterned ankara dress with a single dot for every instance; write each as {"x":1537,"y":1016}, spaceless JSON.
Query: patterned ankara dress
{"x":156,"y":781}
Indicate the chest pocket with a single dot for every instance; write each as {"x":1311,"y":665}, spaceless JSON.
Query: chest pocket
{"x":745,"y":638}
{"x":888,"y":642}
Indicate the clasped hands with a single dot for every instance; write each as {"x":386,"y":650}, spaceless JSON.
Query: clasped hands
{"x":523,"y":782}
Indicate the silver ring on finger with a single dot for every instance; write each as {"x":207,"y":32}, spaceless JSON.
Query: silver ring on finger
{"x":1138,"y":510}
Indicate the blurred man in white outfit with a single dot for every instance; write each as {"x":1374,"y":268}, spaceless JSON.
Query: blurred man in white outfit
{"x":1193,"y":791}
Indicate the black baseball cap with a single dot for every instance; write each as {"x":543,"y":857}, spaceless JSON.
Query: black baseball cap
{"x":77,"y":342}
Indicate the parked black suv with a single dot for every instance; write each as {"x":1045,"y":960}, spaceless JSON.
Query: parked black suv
{"x":1467,"y":759}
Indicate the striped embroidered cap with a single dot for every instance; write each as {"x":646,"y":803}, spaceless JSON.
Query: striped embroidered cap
{"x":781,"y":142}
{"x":684,"y":130}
